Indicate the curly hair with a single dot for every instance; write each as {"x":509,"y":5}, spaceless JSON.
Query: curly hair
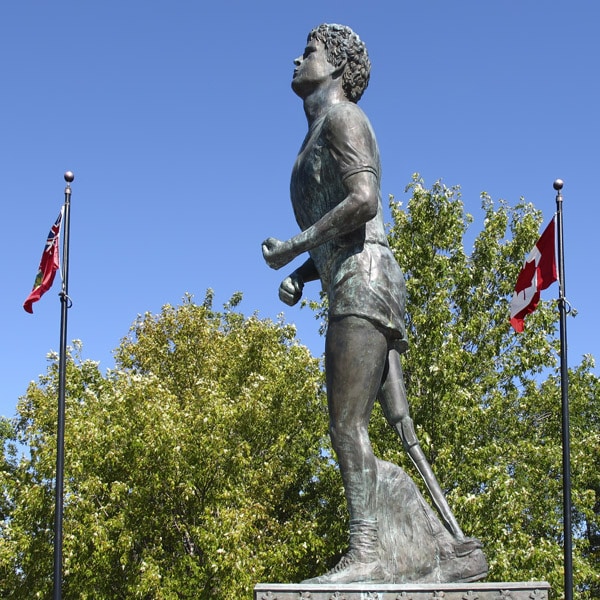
{"x":341,"y":43}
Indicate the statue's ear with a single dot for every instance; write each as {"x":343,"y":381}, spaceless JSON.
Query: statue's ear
{"x":339,"y":70}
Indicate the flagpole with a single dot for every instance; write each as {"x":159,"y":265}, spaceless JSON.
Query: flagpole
{"x":564,"y":386}
{"x":62,"y":370}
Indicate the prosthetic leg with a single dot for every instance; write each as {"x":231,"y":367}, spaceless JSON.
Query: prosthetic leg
{"x":392,"y":397}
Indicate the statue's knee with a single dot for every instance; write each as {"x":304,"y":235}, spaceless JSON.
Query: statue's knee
{"x":345,"y":435}
{"x":406,"y":429}
{"x":335,"y":436}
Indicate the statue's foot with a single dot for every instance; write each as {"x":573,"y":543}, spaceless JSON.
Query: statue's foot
{"x":465,"y":546}
{"x":474,"y":568}
{"x":470,"y":567}
{"x":351,"y":570}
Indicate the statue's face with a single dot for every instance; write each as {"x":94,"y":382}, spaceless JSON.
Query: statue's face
{"x":312,"y":69}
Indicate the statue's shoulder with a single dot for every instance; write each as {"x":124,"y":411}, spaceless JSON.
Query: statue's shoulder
{"x":345,"y":117}
{"x":343,"y":111}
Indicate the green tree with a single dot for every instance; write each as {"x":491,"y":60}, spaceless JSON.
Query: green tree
{"x":193,"y":470}
{"x":7,"y":478}
{"x":487,"y":400}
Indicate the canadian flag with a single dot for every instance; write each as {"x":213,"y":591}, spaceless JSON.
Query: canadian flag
{"x":538,"y":272}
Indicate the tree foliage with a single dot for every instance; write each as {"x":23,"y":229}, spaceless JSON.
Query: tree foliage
{"x":192,"y":470}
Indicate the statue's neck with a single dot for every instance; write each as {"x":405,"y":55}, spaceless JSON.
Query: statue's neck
{"x":320,"y":101}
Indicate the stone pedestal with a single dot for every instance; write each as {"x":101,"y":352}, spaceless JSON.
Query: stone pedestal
{"x":536,"y":590}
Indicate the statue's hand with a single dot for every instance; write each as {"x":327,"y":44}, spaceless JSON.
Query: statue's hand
{"x":277,"y":253}
{"x":290,"y":290}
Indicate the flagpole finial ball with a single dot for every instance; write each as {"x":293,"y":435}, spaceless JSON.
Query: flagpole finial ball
{"x":558,"y":185}
{"x":69,"y":176}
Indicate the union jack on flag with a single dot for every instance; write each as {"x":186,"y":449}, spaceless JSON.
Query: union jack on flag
{"x":49,"y":264}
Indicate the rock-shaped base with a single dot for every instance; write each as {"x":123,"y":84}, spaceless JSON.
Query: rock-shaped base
{"x":414,"y":545}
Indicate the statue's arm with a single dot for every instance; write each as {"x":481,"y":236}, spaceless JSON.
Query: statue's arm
{"x":290,"y":290}
{"x":307,"y":271}
{"x":359,"y":206}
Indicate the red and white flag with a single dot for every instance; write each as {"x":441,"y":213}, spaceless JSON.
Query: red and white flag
{"x":49,"y":264}
{"x":538,"y":272}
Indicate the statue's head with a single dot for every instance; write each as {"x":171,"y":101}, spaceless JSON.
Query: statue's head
{"x":343,"y":45}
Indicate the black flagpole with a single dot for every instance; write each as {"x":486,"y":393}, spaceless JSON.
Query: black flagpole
{"x":564,"y":386}
{"x":62,"y":370}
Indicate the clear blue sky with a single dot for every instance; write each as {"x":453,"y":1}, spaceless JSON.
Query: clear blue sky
{"x":179,"y":123}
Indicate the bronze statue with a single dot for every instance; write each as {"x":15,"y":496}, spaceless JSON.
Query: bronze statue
{"x":336,"y":200}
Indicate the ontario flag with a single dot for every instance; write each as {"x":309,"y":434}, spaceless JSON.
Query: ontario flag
{"x":49,"y":264}
{"x":538,"y":272}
